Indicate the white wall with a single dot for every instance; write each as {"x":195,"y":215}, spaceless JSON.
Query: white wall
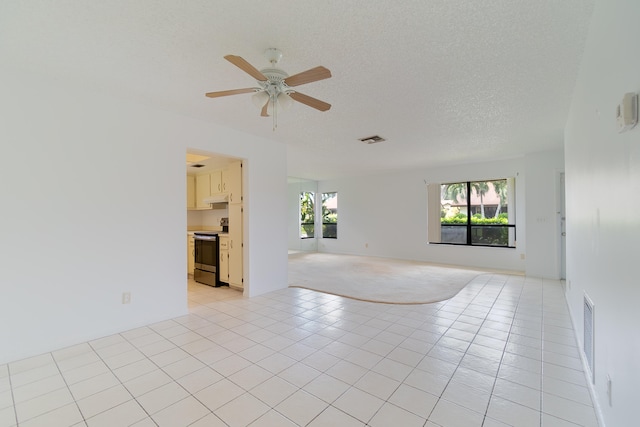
{"x":92,"y":194}
{"x":603,"y":205}
{"x":386,"y":215}
{"x":265,"y":226}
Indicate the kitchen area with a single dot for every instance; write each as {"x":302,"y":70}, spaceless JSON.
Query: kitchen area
{"x":214,"y":220}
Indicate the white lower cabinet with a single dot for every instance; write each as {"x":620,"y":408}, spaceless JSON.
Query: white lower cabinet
{"x":224,"y":259}
{"x":235,"y":247}
{"x":191,"y":252}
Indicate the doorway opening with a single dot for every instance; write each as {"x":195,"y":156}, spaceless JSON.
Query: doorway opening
{"x":563,"y":229}
{"x":215,"y":206}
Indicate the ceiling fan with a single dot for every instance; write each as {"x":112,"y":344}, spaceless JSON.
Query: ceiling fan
{"x":275,"y":87}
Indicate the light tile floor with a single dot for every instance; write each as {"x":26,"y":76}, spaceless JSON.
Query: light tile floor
{"x":500,"y":353}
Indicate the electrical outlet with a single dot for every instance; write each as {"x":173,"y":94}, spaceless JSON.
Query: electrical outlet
{"x":366,"y":245}
{"x":521,"y":256}
{"x":126,"y":297}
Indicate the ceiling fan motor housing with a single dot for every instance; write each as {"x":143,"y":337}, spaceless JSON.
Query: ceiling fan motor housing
{"x":274,"y":74}
{"x":275,"y":84}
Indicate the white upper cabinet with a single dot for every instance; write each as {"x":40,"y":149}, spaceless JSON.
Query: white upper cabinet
{"x":191,"y":191}
{"x":203,"y":190}
{"x":225,"y":181}
{"x":228,"y":181}
{"x":234,"y":183}
{"x":216,"y":182}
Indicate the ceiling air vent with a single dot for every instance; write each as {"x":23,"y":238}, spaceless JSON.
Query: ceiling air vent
{"x":198,"y":165}
{"x":372,"y":139}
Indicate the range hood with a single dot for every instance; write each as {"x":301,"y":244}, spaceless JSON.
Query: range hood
{"x":216,"y":199}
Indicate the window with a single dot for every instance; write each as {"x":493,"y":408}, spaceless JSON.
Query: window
{"x":330,"y":215}
{"x":477,"y":213}
{"x":307,"y":215}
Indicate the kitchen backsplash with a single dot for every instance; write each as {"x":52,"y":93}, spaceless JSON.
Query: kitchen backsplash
{"x":206,"y":218}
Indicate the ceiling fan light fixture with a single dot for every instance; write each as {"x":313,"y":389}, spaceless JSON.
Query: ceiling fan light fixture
{"x":270,"y":111}
{"x":260,"y":98}
{"x":284,"y":101}
{"x":278,"y":103}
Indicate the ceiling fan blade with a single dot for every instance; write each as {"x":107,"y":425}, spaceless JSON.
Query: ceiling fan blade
{"x":229,"y":92}
{"x":312,"y":75}
{"x":246,"y":67}
{"x":311,"y":102}
{"x":263,"y":113}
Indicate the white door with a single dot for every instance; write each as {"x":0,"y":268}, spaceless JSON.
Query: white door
{"x":563,"y":231}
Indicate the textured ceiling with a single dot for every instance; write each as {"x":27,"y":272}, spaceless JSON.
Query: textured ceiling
{"x":444,"y":81}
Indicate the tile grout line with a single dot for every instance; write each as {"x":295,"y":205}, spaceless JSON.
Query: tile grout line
{"x":505,"y":350}
{"x":465,"y":352}
{"x":491,"y":393}
{"x":68,"y":388}
{"x":13,"y":399}
{"x":119,"y":381}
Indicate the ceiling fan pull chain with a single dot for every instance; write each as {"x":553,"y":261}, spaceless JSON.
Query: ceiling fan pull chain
{"x":275,"y":112}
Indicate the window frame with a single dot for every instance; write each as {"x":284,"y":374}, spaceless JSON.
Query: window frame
{"x":469,"y":227}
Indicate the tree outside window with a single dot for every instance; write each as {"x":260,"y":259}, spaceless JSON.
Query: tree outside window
{"x":307,"y":215}
{"x":330,"y":215}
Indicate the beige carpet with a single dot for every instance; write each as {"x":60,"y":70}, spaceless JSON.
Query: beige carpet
{"x":377,"y":279}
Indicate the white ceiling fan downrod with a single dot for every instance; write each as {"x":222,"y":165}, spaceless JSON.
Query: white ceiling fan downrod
{"x":275,"y":86}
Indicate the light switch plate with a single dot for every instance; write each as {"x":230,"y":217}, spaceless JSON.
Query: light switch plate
{"x":627,"y":112}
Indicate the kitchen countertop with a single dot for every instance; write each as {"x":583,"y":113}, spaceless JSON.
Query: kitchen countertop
{"x":219,"y":233}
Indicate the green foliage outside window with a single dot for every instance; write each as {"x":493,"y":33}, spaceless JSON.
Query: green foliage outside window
{"x":329,"y":216}
{"x":476,"y":219}
{"x":307,"y":215}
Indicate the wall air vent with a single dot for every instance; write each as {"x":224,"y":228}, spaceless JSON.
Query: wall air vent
{"x":197,"y":165}
{"x":372,"y":139}
{"x":589,"y":334}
